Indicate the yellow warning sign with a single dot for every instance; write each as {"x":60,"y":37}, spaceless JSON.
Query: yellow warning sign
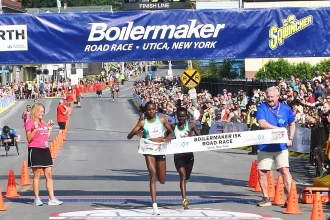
{"x":190,"y":78}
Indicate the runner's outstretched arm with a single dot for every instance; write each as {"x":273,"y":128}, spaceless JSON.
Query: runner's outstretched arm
{"x":136,"y":130}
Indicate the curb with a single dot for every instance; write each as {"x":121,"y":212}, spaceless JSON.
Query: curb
{"x":8,"y":107}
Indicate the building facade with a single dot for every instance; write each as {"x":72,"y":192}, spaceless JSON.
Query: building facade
{"x":12,"y":6}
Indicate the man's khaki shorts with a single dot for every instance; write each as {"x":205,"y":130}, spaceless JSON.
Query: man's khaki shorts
{"x":266,"y":159}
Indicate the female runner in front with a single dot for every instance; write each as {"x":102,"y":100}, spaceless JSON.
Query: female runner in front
{"x":153,"y":128}
{"x":184,"y":162}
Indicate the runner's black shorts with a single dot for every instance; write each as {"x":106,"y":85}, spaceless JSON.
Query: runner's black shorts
{"x":187,"y":158}
{"x":39,"y":157}
{"x":157,"y":157}
{"x":61,"y":125}
{"x":99,"y":92}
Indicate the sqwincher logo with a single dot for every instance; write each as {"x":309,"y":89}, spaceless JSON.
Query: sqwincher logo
{"x":290,"y":26}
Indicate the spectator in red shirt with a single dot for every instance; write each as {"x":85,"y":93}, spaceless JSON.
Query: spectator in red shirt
{"x":98,"y":89}
{"x":61,"y":115}
{"x":78,"y":95}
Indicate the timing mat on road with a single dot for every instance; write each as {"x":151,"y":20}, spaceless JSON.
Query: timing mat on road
{"x":165,"y":213}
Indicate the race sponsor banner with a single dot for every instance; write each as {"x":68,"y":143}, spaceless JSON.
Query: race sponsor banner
{"x":214,"y":142}
{"x":302,"y":140}
{"x":163,"y":35}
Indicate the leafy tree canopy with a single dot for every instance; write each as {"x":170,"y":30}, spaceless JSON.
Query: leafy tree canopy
{"x":283,"y":69}
{"x":72,"y":3}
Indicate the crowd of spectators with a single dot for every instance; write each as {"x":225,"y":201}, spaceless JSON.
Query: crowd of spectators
{"x":309,"y":99}
{"x":5,"y":91}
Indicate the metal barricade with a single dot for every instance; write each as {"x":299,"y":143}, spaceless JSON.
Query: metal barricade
{"x":6,"y":101}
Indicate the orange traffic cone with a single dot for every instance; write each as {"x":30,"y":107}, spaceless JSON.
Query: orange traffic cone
{"x":11,"y":186}
{"x":54,"y":147}
{"x":270,"y":185}
{"x":293,"y":206}
{"x":60,"y":137}
{"x":257,"y":187}
{"x":317,"y":212}
{"x":253,"y":175}
{"x":25,"y":178}
{"x":52,"y":150}
{"x":57,"y":147}
{"x":59,"y":140}
{"x":279,"y":198}
{"x":64,"y":134}
{"x":2,"y":205}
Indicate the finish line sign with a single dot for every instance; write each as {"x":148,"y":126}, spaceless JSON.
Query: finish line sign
{"x":214,"y":142}
{"x":163,"y":35}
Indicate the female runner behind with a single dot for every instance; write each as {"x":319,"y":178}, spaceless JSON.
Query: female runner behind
{"x":184,"y":162}
{"x":153,"y":128}
{"x":117,"y":90}
{"x":112,"y":92}
{"x":26,"y":114}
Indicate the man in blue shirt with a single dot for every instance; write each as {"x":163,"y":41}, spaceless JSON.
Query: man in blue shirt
{"x":271,"y":115}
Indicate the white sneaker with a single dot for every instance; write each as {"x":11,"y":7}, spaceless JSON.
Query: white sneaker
{"x":155,"y":209}
{"x":55,"y":201}
{"x":38,"y":202}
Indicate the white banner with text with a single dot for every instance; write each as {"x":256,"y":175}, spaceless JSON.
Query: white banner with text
{"x":214,"y":142}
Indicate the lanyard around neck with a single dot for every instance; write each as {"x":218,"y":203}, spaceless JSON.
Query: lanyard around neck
{"x":278,"y":110}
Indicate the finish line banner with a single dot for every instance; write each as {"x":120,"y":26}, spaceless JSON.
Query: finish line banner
{"x":163,"y":35}
{"x":214,"y":142}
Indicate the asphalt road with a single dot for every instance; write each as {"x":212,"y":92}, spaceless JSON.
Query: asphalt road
{"x":100,"y":172}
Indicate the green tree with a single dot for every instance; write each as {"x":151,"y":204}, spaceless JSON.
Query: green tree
{"x":226,"y":69}
{"x":196,"y":66}
{"x":304,"y":70}
{"x":72,"y":3}
{"x":213,"y":69}
{"x":242,"y":70}
{"x":276,"y":69}
{"x":323,"y":66}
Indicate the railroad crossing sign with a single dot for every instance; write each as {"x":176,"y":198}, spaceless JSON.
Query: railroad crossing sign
{"x":190,"y":78}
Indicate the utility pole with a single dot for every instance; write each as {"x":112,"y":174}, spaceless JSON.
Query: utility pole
{"x":170,"y":72}
{"x":0,"y":6}
{"x":2,"y":67}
